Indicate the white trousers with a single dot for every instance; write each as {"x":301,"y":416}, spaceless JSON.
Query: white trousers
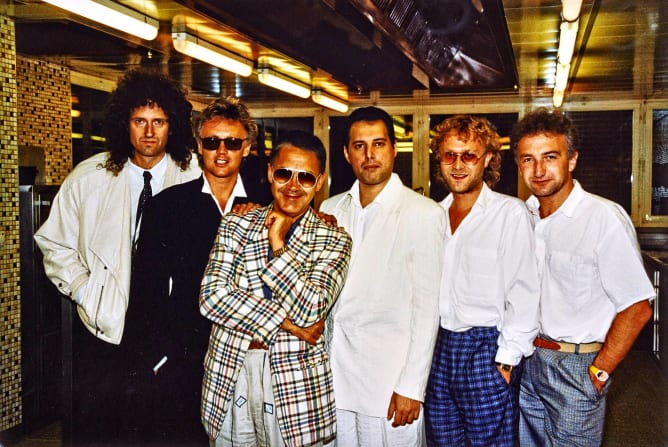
{"x":251,"y":420}
{"x":357,"y":430}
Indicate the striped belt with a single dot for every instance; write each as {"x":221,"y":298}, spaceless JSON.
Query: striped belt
{"x":571,"y":348}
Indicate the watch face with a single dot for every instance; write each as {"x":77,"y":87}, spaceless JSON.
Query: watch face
{"x":602,"y":375}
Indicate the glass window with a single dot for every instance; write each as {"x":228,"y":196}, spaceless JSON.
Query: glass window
{"x":87,"y":122}
{"x":604,"y":160}
{"x":660,"y":163}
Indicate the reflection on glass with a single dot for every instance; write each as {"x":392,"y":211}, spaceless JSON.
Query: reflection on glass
{"x":604,"y":160}
{"x":660,"y":163}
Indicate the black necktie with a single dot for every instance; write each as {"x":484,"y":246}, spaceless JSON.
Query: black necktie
{"x":146,"y":194}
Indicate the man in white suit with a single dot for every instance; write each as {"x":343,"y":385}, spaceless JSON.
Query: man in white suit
{"x":384,"y":325}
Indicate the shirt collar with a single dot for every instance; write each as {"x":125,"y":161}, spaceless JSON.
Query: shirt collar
{"x":391,"y":184}
{"x":483,"y":199}
{"x":567,"y":208}
{"x":238,"y":191}
{"x":157,"y":171}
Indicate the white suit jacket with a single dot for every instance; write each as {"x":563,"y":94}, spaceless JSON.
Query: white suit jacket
{"x":384,"y":325}
{"x":87,"y":241}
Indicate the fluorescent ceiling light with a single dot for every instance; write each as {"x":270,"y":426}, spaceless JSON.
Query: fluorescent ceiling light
{"x":557,"y":98}
{"x":571,"y":9}
{"x":112,"y":14}
{"x":331,"y":102}
{"x":567,"y":35}
{"x":278,"y":81}
{"x":211,"y":54}
{"x":561,"y":79}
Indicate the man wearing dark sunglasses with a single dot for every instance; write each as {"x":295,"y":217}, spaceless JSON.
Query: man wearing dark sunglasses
{"x":273,"y":275}
{"x":168,"y":268}
{"x":488,"y":302}
{"x":385,"y":322}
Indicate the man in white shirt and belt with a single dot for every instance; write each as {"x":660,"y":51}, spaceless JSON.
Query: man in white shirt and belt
{"x":594,"y":290}
{"x":488,"y":301}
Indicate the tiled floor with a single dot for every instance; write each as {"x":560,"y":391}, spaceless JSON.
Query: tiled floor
{"x":637,"y":409}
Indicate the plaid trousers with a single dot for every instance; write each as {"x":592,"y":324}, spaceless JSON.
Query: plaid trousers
{"x":468,"y":403}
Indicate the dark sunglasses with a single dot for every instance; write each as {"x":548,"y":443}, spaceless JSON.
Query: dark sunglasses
{"x":305,"y":179}
{"x":231,"y":143}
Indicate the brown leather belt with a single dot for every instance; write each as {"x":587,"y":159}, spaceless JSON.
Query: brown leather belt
{"x":257,"y":345}
{"x":571,"y":348}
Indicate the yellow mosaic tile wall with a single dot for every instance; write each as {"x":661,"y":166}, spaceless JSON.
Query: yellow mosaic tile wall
{"x":10,"y":308}
{"x":34,"y":112}
{"x":44,"y":103}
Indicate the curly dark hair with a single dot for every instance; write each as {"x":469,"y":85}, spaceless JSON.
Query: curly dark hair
{"x":142,"y":87}
{"x":545,"y":121}
{"x":468,"y":128}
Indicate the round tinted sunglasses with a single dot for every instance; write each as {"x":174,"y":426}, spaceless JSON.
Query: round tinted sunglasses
{"x":468,"y":158}
{"x":231,"y":143}
{"x":305,"y":179}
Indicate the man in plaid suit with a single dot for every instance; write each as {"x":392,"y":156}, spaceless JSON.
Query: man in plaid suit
{"x":273,"y":275}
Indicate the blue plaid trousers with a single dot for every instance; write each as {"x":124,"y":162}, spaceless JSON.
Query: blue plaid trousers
{"x":468,"y":403}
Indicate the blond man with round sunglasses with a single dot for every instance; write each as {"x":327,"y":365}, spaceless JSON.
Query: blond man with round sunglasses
{"x":168,"y":269}
{"x":272,"y":277}
{"x":488,"y":295}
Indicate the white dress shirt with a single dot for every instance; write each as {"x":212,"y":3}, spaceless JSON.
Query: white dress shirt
{"x":489,"y":276}
{"x":238,"y":191}
{"x":590,"y":266}
{"x":362,"y":216}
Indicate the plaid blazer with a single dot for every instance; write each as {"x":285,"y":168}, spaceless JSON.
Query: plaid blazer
{"x":305,"y":281}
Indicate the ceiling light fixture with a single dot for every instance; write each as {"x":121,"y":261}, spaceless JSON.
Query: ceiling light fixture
{"x":568,"y":31}
{"x":112,"y":14}
{"x":561,"y":78}
{"x":570,"y":10}
{"x":271,"y":78}
{"x":320,"y":97}
{"x":196,"y":48}
{"x":557,"y":98}
{"x":560,"y":82}
{"x":567,"y":34}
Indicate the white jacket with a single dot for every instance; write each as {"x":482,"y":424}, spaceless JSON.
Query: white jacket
{"x":87,"y":242}
{"x":385,"y":322}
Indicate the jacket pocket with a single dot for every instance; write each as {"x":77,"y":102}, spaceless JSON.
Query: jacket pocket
{"x":94,"y":298}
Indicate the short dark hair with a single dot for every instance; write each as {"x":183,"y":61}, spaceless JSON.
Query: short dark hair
{"x":230,"y":108}
{"x":302,"y":140}
{"x":466,"y":128}
{"x":544,"y":121}
{"x":372,"y":114}
{"x":144,"y":87}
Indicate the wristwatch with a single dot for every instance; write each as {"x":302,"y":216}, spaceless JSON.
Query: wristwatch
{"x":601,"y":375}
{"x":504,"y":367}
{"x":280,"y":251}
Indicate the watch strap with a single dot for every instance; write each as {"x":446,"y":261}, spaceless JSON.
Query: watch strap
{"x":280,"y":251}
{"x":504,"y":367}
